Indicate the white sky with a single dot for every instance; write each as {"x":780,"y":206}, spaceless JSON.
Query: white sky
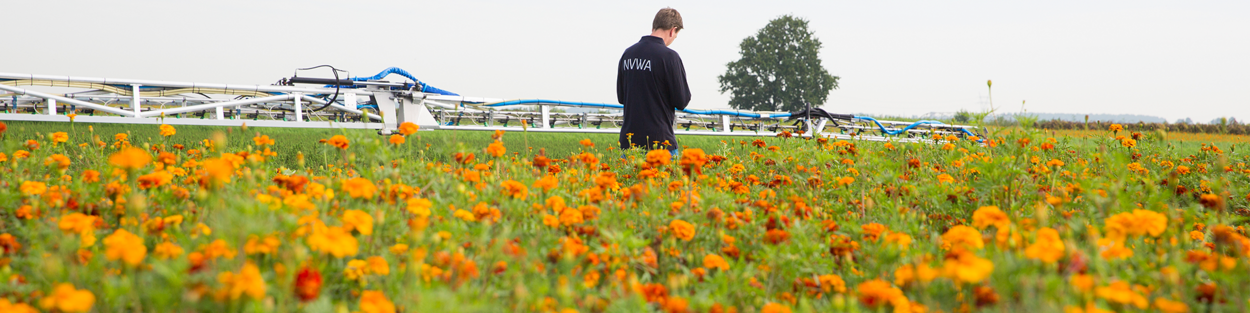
{"x":1173,"y":59}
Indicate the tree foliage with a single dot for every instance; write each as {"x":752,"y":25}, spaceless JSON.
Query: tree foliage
{"x":779,"y":69}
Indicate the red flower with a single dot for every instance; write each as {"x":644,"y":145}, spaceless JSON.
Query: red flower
{"x":308,"y":284}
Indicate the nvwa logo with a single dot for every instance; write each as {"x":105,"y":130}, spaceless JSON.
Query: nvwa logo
{"x":637,"y":64}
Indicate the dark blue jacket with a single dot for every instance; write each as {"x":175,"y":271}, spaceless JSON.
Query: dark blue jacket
{"x":651,"y":84}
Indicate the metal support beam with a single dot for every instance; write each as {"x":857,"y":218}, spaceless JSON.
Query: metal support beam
{"x":299,"y":107}
{"x":51,"y":106}
{"x":134,"y":98}
{"x":218,"y":106}
{"x":221,"y":114}
{"x":93,"y":106}
{"x":546,"y":112}
{"x":724,"y":122}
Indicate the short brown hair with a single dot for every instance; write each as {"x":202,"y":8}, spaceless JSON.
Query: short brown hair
{"x":667,"y":18}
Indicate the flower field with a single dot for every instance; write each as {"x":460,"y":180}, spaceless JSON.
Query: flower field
{"x":234,"y":220}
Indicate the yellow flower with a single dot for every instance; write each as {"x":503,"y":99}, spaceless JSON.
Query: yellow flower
{"x":773,"y":307}
{"x":125,"y":246}
{"x":66,"y":298}
{"x":256,"y":245}
{"x":333,"y":240}
{"x":465,"y":215}
{"x":167,"y":130}
{"x":712,"y":261}
{"x":375,"y":302}
{"x":358,"y":220}
{"x":247,"y":281}
{"x":962,"y":236}
{"x":990,"y":216}
{"x":1047,"y":248}
{"x":355,"y":269}
{"x":360,"y":188}
{"x":682,"y":229}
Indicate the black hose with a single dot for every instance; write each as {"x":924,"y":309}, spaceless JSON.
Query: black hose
{"x":336,"y":86}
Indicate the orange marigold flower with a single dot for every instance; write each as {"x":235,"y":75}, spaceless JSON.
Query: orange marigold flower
{"x":773,"y":307}
{"x":547,"y":183}
{"x":6,"y":306}
{"x":167,"y":130}
{"x":587,"y":143}
{"x":1169,"y":306}
{"x":338,"y":141}
{"x":396,"y":139}
{"x":247,"y":281}
{"x":1047,"y":248}
{"x":872,"y":231}
{"x":130,"y":158}
{"x":155,"y":179}
{"x":125,"y":246}
{"x":66,"y":298}
{"x":1121,"y":293}
{"x":966,"y":267}
{"x":712,"y":261}
{"x":1116,"y":127}
{"x":59,"y":137}
{"x":262,"y":140}
{"x":515,"y":189}
{"x":1137,"y":223}
{"x":693,"y":159}
{"x":408,"y":128}
{"x":358,"y":220}
{"x":496,"y":149}
{"x":33,"y":188}
{"x":876,"y":292}
{"x":167,"y":250}
{"x":682,"y":230}
{"x":333,"y":240}
{"x":420,"y":207}
{"x":945,"y":178}
{"x":90,"y":176}
{"x":360,"y":187}
{"x":962,"y":236}
{"x":990,"y":216}
{"x":375,"y":302}
{"x":659,"y":157}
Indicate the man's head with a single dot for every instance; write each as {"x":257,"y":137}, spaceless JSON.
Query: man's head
{"x":666,"y":25}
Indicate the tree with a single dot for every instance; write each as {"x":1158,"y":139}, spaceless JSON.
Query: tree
{"x":779,"y":69}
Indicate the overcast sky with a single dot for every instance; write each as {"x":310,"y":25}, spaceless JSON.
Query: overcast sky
{"x":1173,"y":59}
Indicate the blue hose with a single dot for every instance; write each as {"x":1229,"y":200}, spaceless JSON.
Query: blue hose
{"x":402,"y":72}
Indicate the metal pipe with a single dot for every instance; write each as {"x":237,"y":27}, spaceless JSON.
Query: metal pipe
{"x":202,"y":107}
{"x":93,"y":106}
{"x":155,"y":83}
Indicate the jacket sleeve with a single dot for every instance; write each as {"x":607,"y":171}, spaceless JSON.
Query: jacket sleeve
{"x":679,"y":90}
{"x":620,"y":82}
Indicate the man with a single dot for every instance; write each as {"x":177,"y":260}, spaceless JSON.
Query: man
{"x":651,"y":84}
